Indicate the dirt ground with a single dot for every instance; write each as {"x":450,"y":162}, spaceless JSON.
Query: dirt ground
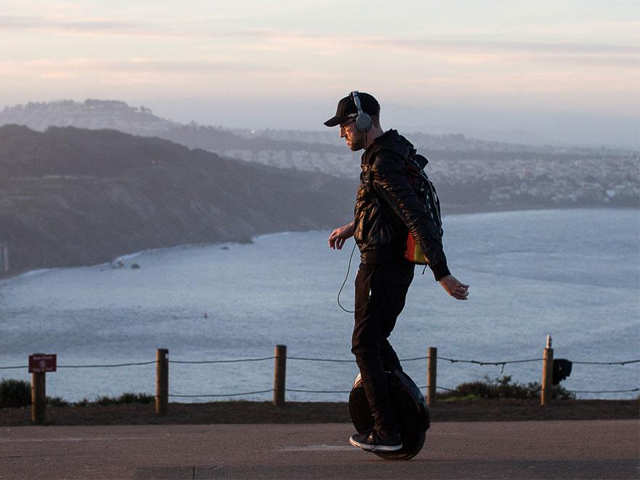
{"x":243,"y":412}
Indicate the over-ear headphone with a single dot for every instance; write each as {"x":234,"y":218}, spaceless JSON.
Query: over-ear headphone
{"x":363,"y":119}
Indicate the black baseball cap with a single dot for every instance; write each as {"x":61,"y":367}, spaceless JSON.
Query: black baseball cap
{"x":347,"y":108}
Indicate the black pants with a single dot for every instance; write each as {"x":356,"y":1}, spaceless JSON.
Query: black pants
{"x":381,"y":290}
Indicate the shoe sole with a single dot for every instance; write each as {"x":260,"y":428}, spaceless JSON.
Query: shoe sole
{"x":375,"y":448}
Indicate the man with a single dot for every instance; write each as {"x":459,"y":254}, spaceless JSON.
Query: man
{"x":387,"y":208}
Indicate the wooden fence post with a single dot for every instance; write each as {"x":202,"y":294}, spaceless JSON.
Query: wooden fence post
{"x":432,"y":369}
{"x":38,"y":397}
{"x":162,"y":381}
{"x":547,"y":373}
{"x":279,"y":375}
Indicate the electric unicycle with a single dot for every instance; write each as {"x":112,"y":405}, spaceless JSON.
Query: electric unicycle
{"x":410,"y":408}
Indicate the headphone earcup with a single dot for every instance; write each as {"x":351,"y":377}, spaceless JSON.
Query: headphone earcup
{"x":363,"y":122}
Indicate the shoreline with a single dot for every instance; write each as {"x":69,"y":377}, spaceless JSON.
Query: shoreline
{"x":248,"y":412}
{"x":453,"y":210}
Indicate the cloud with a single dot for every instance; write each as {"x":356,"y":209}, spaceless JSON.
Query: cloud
{"x":83,"y":26}
{"x":75,"y":67}
{"x":281,"y":40}
{"x":33,"y":22}
{"x":606,"y":61}
{"x":510,"y":46}
{"x":189,"y":66}
{"x":459,"y":50}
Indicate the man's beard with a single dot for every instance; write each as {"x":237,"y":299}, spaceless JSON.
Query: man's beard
{"x":357,"y":142}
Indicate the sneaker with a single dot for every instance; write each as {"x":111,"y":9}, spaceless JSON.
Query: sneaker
{"x":374,"y":442}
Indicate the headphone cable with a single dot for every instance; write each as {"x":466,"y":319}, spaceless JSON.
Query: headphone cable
{"x":345,"y":280}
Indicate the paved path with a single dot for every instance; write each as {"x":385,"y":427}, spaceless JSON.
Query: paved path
{"x":509,"y":450}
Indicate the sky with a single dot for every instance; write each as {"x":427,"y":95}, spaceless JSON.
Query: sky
{"x":550,"y":71}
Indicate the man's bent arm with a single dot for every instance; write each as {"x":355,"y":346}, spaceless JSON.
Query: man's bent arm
{"x":339,"y":235}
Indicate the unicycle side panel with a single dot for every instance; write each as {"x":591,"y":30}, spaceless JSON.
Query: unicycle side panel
{"x":411,"y":411}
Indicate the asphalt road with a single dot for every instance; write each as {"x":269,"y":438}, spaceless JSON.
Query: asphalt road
{"x":509,"y":450}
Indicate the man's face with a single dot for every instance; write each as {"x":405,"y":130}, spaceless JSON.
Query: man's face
{"x":353,"y":138}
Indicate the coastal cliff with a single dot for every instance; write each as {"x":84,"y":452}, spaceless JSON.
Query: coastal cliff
{"x":72,"y":196}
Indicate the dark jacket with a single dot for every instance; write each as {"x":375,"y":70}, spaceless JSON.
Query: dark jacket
{"x":387,"y":207}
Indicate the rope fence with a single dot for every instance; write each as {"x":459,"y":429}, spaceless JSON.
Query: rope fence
{"x":607,"y":391}
{"x":183,"y":395}
{"x":15,"y":367}
{"x":311,"y":359}
{"x":335,"y":360}
{"x":110,"y":365}
{"x":279,"y":388}
{"x":608,"y":363}
{"x":315,"y":391}
{"x":238,"y":360}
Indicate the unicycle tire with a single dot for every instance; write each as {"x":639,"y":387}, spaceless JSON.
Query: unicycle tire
{"x":410,"y":408}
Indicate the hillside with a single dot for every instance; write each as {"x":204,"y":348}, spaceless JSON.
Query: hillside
{"x":70,"y":196}
{"x":471,"y":174}
{"x":116,"y":115}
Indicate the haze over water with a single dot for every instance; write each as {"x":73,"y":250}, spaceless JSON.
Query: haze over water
{"x":573,"y":274}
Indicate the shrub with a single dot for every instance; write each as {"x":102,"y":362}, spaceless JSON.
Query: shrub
{"x":124,"y":398}
{"x":57,"y":402}
{"x":135,"y":398}
{"x":503,"y":387}
{"x":104,"y":401}
{"x":15,"y":393}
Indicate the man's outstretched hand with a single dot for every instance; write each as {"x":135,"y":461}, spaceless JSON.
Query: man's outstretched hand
{"x":454,"y":287}
{"x":340,"y":235}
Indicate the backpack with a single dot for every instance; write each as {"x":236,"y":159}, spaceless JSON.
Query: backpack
{"x":426,"y":192}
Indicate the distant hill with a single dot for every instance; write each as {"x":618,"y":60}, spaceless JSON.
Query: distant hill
{"x":72,"y":196}
{"x":92,"y":114}
{"x":470,"y":174}
{"x":117,"y":115}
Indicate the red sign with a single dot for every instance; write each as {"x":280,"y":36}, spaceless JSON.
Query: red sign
{"x":42,"y":362}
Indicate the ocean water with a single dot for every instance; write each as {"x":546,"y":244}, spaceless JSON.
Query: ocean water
{"x":573,"y":274}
